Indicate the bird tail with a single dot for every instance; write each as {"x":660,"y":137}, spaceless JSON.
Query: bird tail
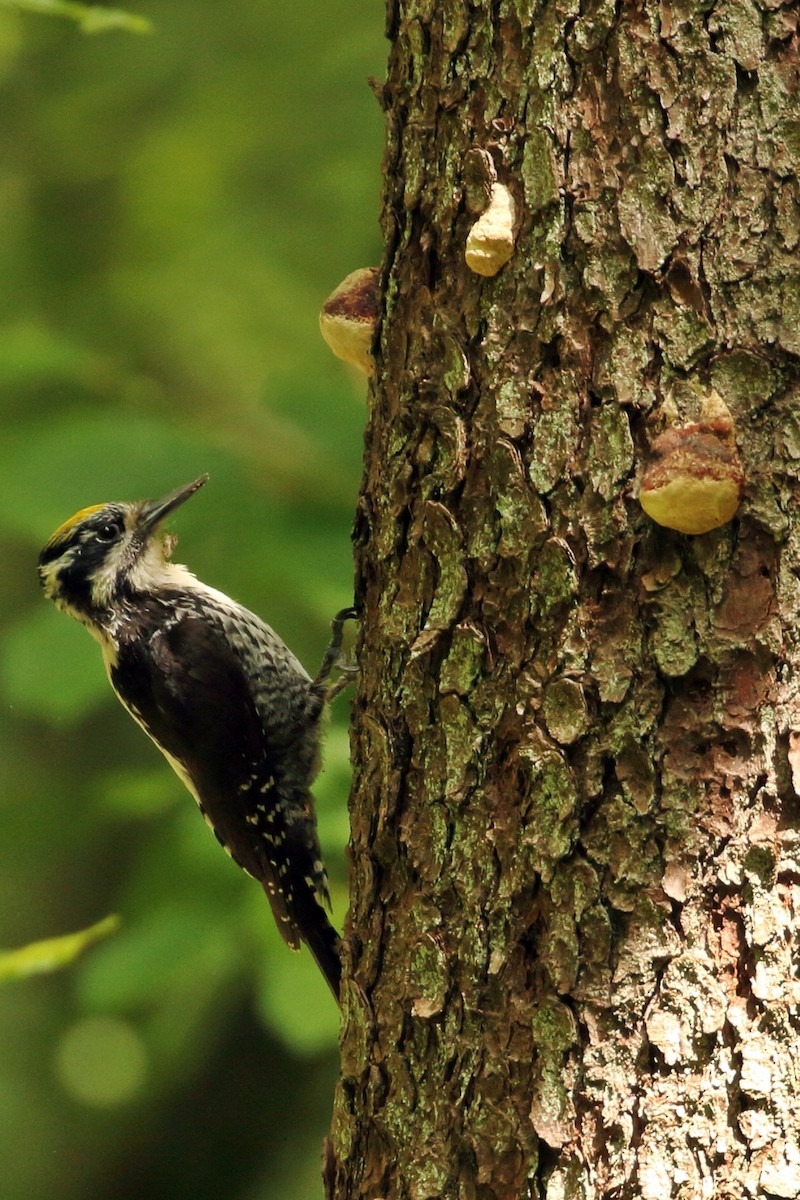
{"x":304,"y":919}
{"x":324,"y":943}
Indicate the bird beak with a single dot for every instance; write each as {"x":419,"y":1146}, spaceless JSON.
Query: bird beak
{"x":156,"y":511}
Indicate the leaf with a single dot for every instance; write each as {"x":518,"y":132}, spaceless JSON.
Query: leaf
{"x":51,"y":954}
{"x":91,"y":18}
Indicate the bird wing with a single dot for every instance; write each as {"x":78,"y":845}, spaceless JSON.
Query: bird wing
{"x":186,"y":688}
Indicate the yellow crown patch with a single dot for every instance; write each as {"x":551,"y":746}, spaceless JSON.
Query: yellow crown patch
{"x":63,"y":531}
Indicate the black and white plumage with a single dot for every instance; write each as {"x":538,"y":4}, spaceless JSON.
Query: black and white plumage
{"x":219,"y":693}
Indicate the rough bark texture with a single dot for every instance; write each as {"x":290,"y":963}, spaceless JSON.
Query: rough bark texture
{"x":572,"y":948}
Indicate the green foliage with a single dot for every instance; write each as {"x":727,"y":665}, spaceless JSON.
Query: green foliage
{"x":51,"y":954}
{"x":173,"y":211}
{"x":91,"y":18}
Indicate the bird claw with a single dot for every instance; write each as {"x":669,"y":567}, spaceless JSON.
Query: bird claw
{"x":332,"y":660}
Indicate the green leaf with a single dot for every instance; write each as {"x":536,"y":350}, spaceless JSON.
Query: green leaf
{"x":91,"y":18}
{"x":52,"y":954}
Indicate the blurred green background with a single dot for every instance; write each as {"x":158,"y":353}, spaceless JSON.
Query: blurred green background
{"x":173,"y":210}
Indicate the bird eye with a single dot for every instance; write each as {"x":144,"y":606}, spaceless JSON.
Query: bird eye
{"x":107,"y":533}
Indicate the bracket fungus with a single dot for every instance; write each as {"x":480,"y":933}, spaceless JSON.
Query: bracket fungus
{"x":349,"y":318}
{"x":695,"y":481}
{"x":490,"y":241}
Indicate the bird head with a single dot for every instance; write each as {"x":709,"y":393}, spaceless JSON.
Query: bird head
{"x":110,"y":550}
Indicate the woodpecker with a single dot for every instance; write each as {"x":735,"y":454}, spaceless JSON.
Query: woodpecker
{"x":224,"y":699}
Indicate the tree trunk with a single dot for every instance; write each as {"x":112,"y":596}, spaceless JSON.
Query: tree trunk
{"x":571,"y":955}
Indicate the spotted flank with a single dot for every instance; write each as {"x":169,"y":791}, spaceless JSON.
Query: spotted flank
{"x":287,"y":847}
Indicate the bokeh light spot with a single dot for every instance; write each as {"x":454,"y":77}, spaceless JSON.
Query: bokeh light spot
{"x":102,"y":1062}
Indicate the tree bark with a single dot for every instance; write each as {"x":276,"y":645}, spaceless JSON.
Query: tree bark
{"x":571,"y":958}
